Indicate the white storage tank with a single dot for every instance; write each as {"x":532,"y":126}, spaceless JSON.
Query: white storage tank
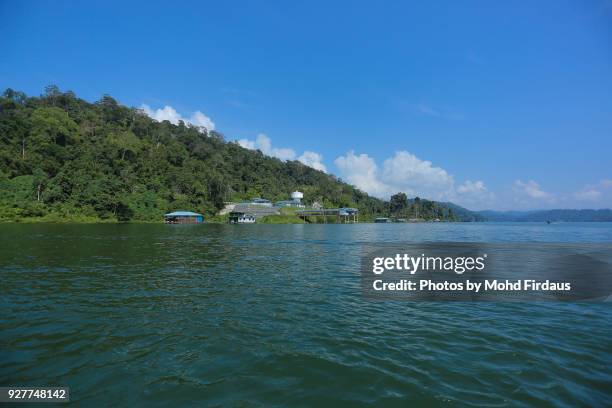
{"x":297,"y":196}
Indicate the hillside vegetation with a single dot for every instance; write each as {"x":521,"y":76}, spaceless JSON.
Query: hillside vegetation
{"x":65,"y":159}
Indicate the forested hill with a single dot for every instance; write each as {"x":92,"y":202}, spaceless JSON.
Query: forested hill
{"x":63,"y":158}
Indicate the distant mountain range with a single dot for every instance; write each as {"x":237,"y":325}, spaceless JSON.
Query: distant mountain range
{"x":548,"y":215}
{"x":462,"y":213}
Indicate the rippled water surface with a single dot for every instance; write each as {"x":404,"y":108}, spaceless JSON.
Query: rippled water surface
{"x":220,"y":315}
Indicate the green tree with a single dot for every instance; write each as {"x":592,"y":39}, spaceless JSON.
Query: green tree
{"x":398,"y":203}
{"x":125,"y":142}
{"x":39,"y":182}
{"x":52,"y":125}
{"x":123,"y":211}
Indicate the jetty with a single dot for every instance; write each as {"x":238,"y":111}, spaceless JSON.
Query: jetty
{"x":345,"y":214}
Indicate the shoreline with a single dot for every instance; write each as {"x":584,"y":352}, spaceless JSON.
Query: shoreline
{"x":91,"y":222}
{"x":31,"y":221}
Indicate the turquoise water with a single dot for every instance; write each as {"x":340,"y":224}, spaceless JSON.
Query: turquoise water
{"x":272,"y":315}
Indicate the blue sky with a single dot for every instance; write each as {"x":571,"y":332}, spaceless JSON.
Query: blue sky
{"x":488,"y":104}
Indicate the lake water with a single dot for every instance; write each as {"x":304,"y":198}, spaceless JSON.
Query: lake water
{"x":260,"y":315}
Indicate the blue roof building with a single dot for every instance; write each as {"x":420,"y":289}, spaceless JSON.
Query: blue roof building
{"x":183,"y":217}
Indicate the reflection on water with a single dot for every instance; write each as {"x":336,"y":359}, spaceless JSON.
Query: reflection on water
{"x":273,"y":315}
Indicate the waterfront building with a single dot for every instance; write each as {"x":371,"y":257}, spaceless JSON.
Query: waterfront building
{"x":183,"y":217}
{"x":241,"y":218}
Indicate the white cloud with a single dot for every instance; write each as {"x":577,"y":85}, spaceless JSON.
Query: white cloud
{"x":526,"y":193}
{"x":200,"y":119}
{"x":247,"y":144}
{"x":588,"y":194}
{"x":403,"y":172}
{"x":407,"y":173}
{"x":313,"y":159}
{"x":170,"y":114}
{"x":474,"y":194}
{"x":471,"y":187}
{"x":529,"y":195}
{"x":263,"y":143}
{"x":362,"y":172}
{"x":595,"y":193}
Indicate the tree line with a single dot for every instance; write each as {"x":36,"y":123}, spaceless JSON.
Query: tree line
{"x":64,"y":158}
